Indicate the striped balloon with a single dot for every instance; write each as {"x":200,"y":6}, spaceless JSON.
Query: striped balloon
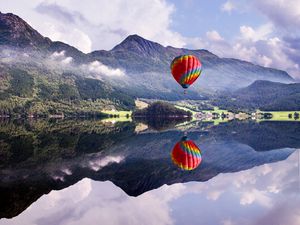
{"x":186,"y":154}
{"x":186,"y":69}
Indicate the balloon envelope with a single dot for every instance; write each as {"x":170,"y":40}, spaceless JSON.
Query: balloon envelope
{"x":186,"y":69}
{"x":186,"y":154}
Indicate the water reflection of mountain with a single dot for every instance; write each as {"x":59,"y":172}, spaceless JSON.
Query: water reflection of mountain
{"x":261,"y":136}
{"x":41,"y":157}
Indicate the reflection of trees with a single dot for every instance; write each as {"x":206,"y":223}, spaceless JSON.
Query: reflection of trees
{"x":160,"y":123}
{"x":41,"y":140}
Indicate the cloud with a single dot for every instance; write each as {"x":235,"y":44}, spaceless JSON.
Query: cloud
{"x":58,"y":12}
{"x":227,"y":222}
{"x":97,"y":164}
{"x":228,"y":7}
{"x":82,"y":188}
{"x":214,"y":195}
{"x":261,"y":33}
{"x":99,"y":68}
{"x":214,"y":36}
{"x":260,"y":197}
{"x":284,"y":213}
{"x":106,"y":23}
{"x":69,"y":35}
{"x":60,"y":57}
{"x":99,"y":24}
{"x":258,"y":45}
{"x":285,"y":14}
{"x":284,"y":43}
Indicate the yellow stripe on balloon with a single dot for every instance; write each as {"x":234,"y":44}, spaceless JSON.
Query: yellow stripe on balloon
{"x":180,"y":59}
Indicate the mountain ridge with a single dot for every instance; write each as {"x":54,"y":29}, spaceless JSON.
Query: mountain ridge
{"x":16,"y":31}
{"x":146,"y":65}
{"x":133,"y":42}
{"x":264,"y":95}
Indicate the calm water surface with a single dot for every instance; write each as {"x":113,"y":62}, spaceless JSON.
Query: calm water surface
{"x":90,"y":172}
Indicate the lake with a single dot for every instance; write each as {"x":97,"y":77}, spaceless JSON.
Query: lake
{"x":157,"y":172}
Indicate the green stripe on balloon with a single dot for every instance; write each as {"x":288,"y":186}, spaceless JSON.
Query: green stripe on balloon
{"x":190,"y":72}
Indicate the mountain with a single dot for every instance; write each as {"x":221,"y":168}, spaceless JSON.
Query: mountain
{"x":134,"y":68}
{"x":264,"y":95}
{"x":149,"y":62}
{"x":37,"y":78}
{"x":16,"y":32}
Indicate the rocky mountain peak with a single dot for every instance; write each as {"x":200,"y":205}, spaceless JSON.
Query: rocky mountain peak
{"x":15,"y":32}
{"x":139,"y":45}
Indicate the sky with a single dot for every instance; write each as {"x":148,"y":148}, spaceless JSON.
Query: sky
{"x":263,"y":32}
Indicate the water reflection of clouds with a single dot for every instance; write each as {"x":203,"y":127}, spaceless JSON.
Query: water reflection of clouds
{"x":97,"y":164}
{"x":268,"y":194}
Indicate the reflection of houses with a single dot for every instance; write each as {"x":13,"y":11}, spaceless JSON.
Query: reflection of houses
{"x":257,"y":115}
{"x":57,"y":116}
{"x":202,"y":115}
{"x":213,"y":115}
{"x":296,"y":115}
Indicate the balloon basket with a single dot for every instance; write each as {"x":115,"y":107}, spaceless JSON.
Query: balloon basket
{"x":184,"y":92}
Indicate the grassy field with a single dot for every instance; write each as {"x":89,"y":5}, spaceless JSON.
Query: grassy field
{"x":186,"y":109}
{"x":117,"y":113}
{"x":120,"y":116}
{"x":216,"y":110}
{"x":280,"y":116}
{"x":117,"y":119}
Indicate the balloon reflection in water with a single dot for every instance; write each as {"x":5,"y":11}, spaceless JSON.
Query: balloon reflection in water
{"x":186,"y":154}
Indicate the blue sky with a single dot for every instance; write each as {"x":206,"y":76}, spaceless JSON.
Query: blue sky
{"x":263,"y":32}
{"x":208,"y":15}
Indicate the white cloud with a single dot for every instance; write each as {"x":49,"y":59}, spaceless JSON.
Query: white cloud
{"x":214,"y":36}
{"x":67,"y":171}
{"x":260,"y":197}
{"x":60,"y":57}
{"x":285,"y":14}
{"x":227,"y":222}
{"x":82,"y":189}
{"x":99,"y":68}
{"x":258,"y":45}
{"x":69,"y":35}
{"x":228,"y":7}
{"x":247,"y":32}
{"x":98,"y":164}
{"x":214,"y":195}
{"x":261,"y":33}
{"x":99,"y":24}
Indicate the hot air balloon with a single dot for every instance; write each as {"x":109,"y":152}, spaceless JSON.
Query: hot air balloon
{"x":186,"y":69}
{"x":186,"y":154}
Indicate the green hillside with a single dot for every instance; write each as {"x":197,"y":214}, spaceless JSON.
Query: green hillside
{"x":28,"y":93}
